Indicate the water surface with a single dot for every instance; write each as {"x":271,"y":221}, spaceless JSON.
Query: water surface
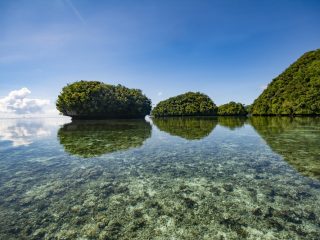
{"x":177,"y":178}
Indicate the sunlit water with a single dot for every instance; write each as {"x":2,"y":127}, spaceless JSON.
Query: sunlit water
{"x":179,"y":178}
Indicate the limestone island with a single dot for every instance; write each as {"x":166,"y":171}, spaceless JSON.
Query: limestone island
{"x":232,"y":109}
{"x":196,"y":104}
{"x":187,"y":104}
{"x":296,"y":91}
{"x":98,"y":100}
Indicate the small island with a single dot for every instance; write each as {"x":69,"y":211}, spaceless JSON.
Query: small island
{"x":187,"y":104}
{"x":196,"y":104}
{"x":232,"y":109}
{"x":97,"y":100}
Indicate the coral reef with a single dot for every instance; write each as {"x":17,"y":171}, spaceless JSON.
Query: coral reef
{"x":229,"y":185}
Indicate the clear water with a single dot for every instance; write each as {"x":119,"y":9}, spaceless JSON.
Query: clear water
{"x":181,"y":178}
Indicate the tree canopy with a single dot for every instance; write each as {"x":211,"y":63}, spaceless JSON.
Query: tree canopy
{"x":187,"y":104}
{"x":232,"y":109}
{"x":296,"y":91}
{"x":93,"y":99}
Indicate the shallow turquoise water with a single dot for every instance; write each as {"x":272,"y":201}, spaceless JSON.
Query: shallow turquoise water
{"x":179,"y":178}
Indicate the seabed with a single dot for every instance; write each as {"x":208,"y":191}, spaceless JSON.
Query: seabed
{"x":196,"y":178}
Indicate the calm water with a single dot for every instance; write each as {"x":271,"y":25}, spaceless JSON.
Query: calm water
{"x":180,"y":178}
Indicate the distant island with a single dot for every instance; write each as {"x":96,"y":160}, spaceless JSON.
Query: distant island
{"x":232,"y":109}
{"x":97,"y":100}
{"x":187,"y":104}
{"x":196,"y":104}
{"x":296,"y":91}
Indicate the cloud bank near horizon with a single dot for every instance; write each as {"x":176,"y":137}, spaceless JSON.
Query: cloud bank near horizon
{"x":18,"y":103}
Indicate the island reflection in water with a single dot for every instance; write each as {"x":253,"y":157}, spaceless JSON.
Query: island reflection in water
{"x":190,"y":128}
{"x":232,"y":122}
{"x":296,"y":139}
{"x":225,"y":182}
{"x":93,"y":138}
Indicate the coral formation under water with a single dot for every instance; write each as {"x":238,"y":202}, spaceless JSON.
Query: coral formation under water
{"x":229,"y":185}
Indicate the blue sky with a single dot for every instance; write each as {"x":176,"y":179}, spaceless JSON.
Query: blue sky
{"x":228,"y":49}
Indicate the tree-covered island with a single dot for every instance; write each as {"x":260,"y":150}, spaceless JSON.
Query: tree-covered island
{"x":232,"y":109}
{"x":187,"y":104}
{"x":97,"y":100}
{"x":196,"y":104}
{"x":296,"y":91}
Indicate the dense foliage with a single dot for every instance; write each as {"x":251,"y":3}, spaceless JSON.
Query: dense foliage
{"x":294,"y":92}
{"x":232,"y":109}
{"x":287,"y":136}
{"x":248,"y":108}
{"x":93,"y":99}
{"x":93,"y":138}
{"x":187,"y":104}
{"x":191,"y":128}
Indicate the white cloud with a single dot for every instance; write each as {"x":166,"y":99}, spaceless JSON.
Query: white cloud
{"x":17,"y":103}
{"x":159,"y":94}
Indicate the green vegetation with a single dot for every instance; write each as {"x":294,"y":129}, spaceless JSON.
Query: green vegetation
{"x":294,"y":92}
{"x":95,"y":100}
{"x":289,"y":138}
{"x":190,"y":128}
{"x":248,"y":108}
{"x":187,"y":104}
{"x":232,"y":109}
{"x":93,"y":138}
